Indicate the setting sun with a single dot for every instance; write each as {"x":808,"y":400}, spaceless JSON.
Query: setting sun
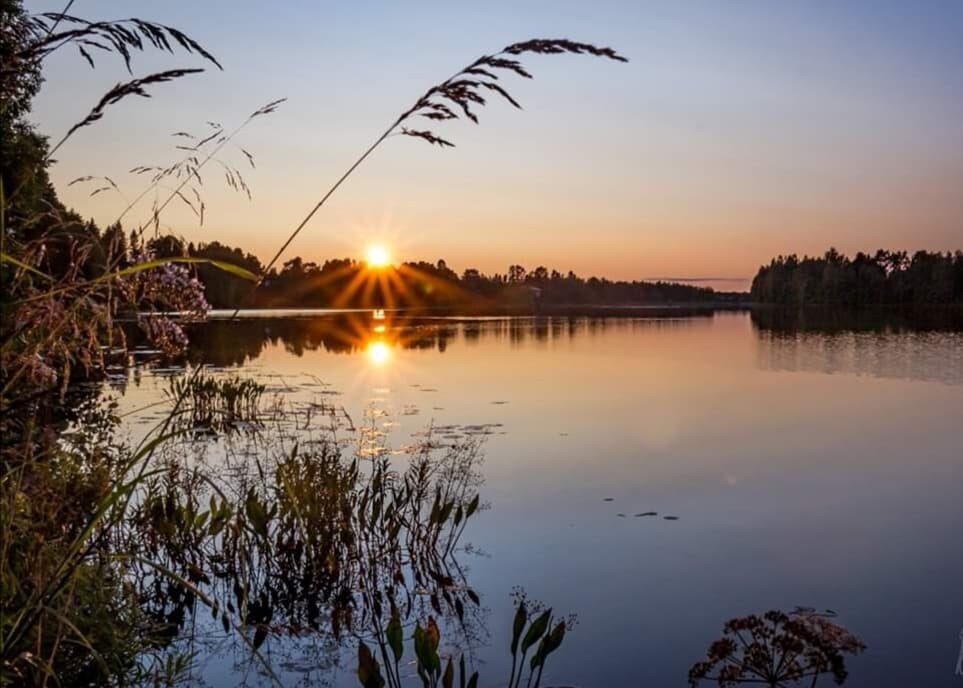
{"x":377,"y":256}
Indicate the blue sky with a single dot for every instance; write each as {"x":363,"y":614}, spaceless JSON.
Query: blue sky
{"x":739,"y":130}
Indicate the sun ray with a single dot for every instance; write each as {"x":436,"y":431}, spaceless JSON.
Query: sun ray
{"x":345,"y":296}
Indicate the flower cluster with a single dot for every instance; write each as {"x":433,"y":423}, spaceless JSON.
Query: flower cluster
{"x":778,"y":649}
{"x":162,"y":291}
{"x":163,"y":332}
{"x":169,"y":287}
{"x":53,"y":336}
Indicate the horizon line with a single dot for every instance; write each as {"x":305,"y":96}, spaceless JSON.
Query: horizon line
{"x":695,"y":279}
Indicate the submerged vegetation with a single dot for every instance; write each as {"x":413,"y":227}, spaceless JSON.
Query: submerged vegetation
{"x":120,"y":558}
{"x":305,"y":539}
{"x":218,"y":403}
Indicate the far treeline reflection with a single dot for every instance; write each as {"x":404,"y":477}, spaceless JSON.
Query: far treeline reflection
{"x":222,"y":342}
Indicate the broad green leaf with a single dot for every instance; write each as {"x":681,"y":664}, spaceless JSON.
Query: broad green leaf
{"x":422,"y":652}
{"x":395,"y":635}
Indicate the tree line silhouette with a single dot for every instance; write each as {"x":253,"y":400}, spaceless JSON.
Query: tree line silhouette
{"x":347,"y":283}
{"x":884,"y":278}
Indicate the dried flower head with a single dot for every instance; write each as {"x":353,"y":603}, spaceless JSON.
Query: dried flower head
{"x":778,"y":649}
{"x":458,"y":96}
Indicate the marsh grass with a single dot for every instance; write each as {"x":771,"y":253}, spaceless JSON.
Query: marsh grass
{"x":319,"y":534}
{"x":215,"y":404}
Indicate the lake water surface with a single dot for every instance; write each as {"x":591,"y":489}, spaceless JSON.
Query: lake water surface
{"x":806,"y":467}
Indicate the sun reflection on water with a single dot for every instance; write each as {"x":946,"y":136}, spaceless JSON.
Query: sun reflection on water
{"x":378,"y":352}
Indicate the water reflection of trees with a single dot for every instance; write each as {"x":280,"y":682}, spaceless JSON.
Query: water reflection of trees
{"x":233,"y":343}
{"x":921,"y":345}
{"x":842,"y":319}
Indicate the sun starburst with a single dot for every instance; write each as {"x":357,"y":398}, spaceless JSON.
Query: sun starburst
{"x":377,"y":256}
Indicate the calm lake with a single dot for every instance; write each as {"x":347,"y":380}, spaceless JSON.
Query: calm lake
{"x":807,"y":466}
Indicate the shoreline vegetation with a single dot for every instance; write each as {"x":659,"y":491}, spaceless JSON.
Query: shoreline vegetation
{"x":893,"y":279}
{"x":884,"y":278}
{"x":348,"y":283}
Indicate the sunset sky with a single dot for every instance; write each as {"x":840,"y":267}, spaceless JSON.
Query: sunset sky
{"x":738,"y":131}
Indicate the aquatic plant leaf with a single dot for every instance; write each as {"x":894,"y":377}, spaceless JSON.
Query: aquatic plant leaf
{"x":421,"y":649}
{"x":548,"y":645}
{"x":555,"y":638}
{"x":472,"y":506}
{"x":536,"y":630}
{"x":434,"y":635}
{"x":538,"y":657}
{"x":448,"y":678}
{"x":256,"y":514}
{"x":260,"y":635}
{"x":369,"y":673}
{"x":394,"y":634}
{"x":521,"y":616}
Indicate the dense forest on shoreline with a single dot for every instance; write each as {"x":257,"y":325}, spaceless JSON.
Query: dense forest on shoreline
{"x":886,"y":278}
{"x":347,"y":283}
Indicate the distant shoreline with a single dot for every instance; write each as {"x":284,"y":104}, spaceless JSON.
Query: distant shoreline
{"x":504,"y":311}
{"x":590,"y":310}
